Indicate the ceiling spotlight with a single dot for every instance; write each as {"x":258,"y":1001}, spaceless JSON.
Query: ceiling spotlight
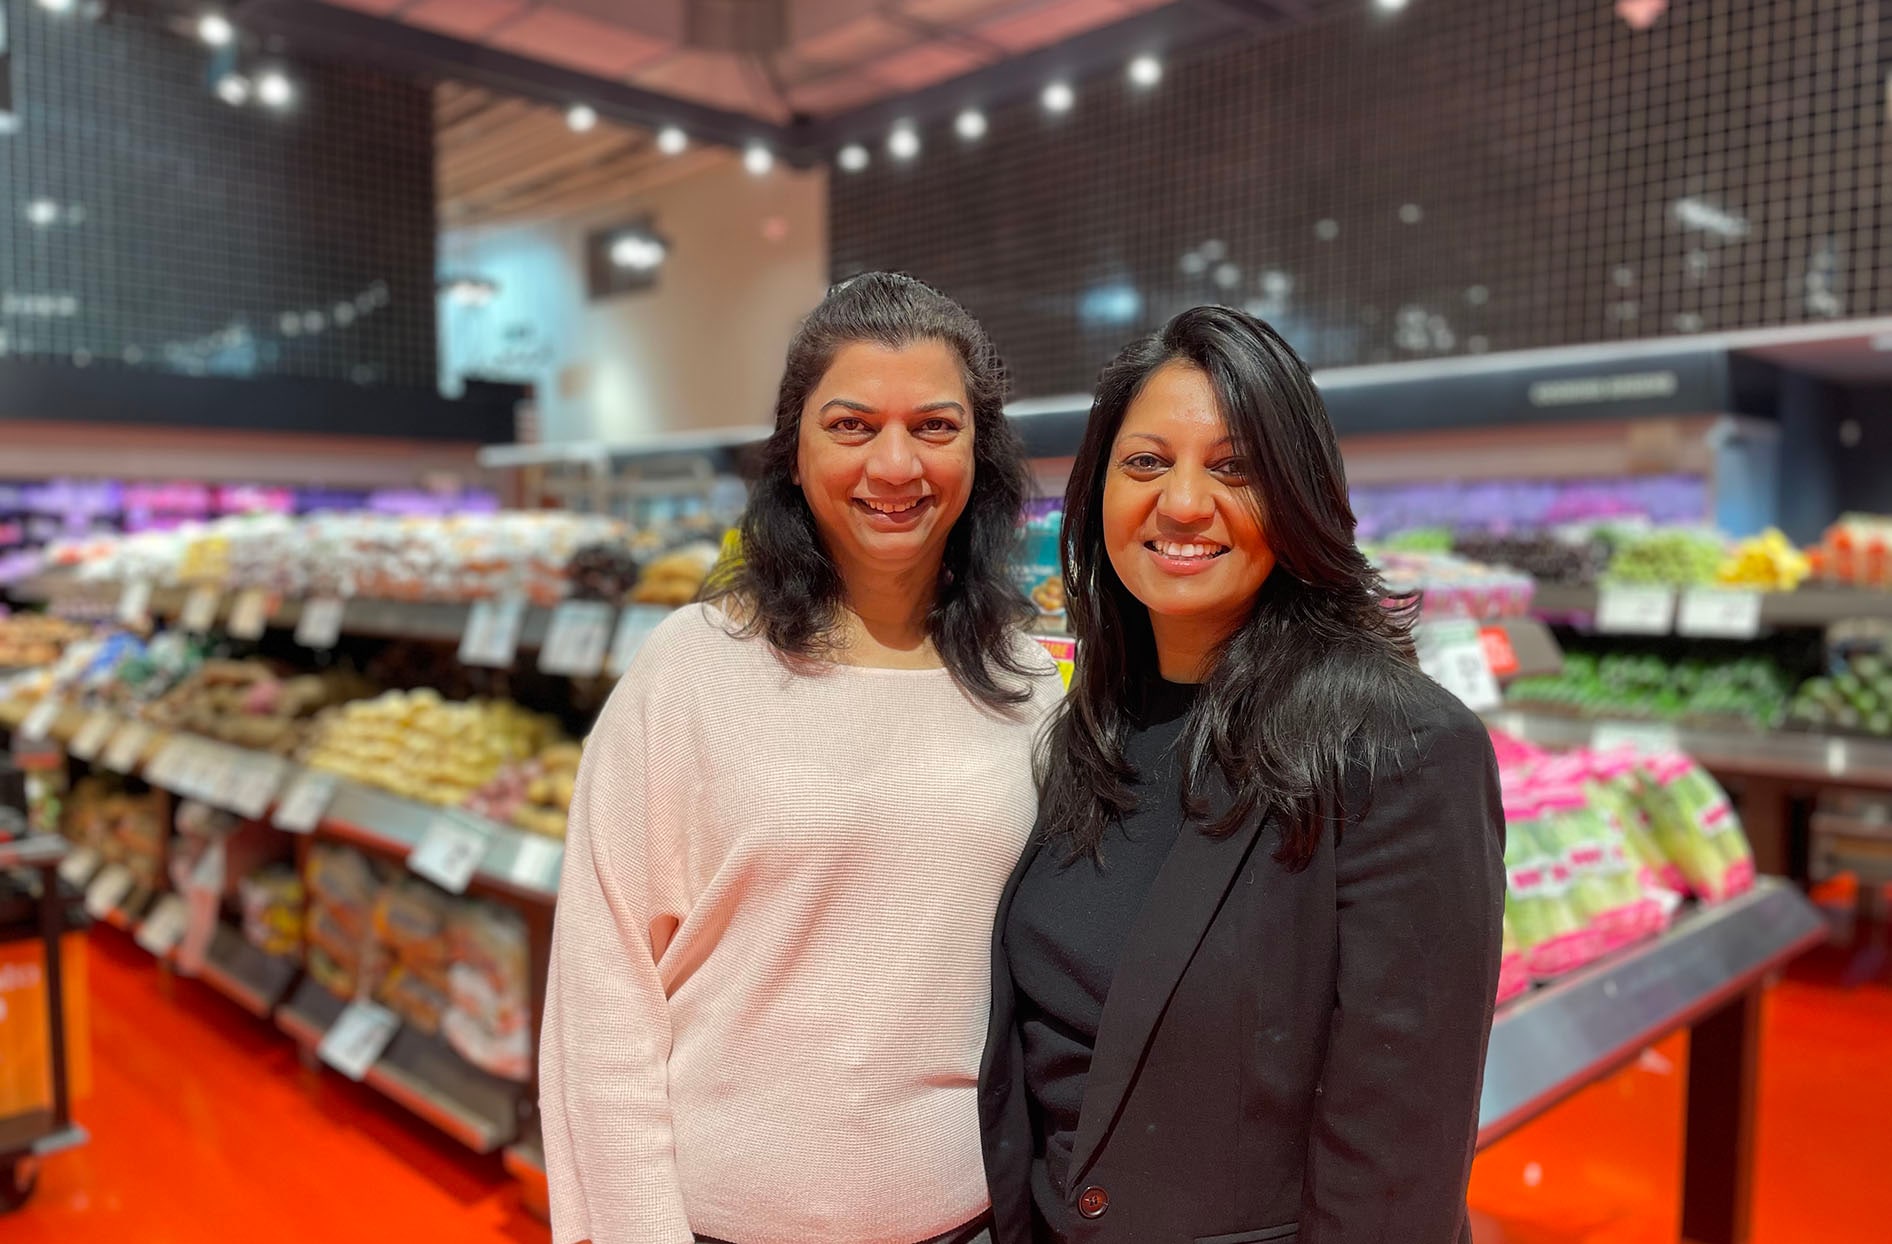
{"x":758,"y":160}
{"x":233,"y":89}
{"x":1389,"y":6}
{"x":581,"y":117}
{"x":852,"y":158}
{"x":42,"y":212}
{"x":970,"y":125}
{"x":56,"y":6}
{"x":638,"y":252}
{"x":903,"y":143}
{"x":274,"y":88}
{"x":671,"y":140}
{"x":1058,"y":97}
{"x":215,"y":29}
{"x":1146,"y":71}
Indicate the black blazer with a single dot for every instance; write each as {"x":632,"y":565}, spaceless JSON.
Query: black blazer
{"x":1287,"y":1055}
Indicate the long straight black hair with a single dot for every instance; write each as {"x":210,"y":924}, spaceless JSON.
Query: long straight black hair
{"x":1321,"y":677}
{"x":786,"y":583}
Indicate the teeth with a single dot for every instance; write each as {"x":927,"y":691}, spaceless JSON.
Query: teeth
{"x":891,"y":507}
{"x":1171,"y":549}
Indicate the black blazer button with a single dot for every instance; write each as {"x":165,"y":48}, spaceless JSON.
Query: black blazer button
{"x":1092,"y":1202}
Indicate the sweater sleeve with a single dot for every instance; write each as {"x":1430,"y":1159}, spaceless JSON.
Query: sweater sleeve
{"x":604,"y":1101}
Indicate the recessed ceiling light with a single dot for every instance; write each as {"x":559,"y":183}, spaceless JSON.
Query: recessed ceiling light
{"x":903,"y":143}
{"x":638,"y":252}
{"x":758,"y":160}
{"x":581,"y":117}
{"x":1146,"y":71}
{"x":970,"y":125}
{"x":1058,"y":97}
{"x":671,"y":140}
{"x":233,"y":89}
{"x":852,"y":158}
{"x":42,"y":212}
{"x":215,"y":29}
{"x":1390,"y":6}
{"x":56,"y":6}
{"x":274,"y":88}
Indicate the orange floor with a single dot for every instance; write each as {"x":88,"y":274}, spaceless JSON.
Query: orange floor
{"x":205,"y":1128}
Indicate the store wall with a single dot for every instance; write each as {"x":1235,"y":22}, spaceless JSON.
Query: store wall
{"x":748,"y":258}
{"x":145,"y":223}
{"x":1464,"y":176}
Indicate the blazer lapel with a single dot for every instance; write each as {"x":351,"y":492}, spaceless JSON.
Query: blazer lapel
{"x":1188,"y":892}
{"x":998,"y":1031}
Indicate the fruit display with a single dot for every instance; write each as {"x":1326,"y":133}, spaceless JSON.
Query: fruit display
{"x":340,"y":949}
{"x":489,"y":1016}
{"x":1766,"y":563}
{"x":1450,"y":587}
{"x":676,"y":577}
{"x":247,"y":703}
{"x":1856,"y":551}
{"x":273,"y":900}
{"x":421,"y":746}
{"x":1692,"y":821}
{"x":1858,"y":698}
{"x":128,"y":829}
{"x":1746,"y":692}
{"x":1574,"y":562}
{"x":1677,"y":558}
{"x":28,"y":640}
{"x":535,"y":794}
{"x":605,"y":571}
{"x":409,"y":922}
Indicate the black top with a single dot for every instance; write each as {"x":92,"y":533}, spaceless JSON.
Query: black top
{"x":1065,"y":934}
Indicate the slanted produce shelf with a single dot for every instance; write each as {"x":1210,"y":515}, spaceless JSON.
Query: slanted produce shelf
{"x":253,"y":979}
{"x":1806,"y":607}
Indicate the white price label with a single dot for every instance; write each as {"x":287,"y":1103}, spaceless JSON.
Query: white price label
{"x":39,"y":722}
{"x":1718,"y":613}
{"x":321,"y":622}
{"x":1625,"y":610}
{"x":108,"y":890}
{"x":301,"y":807}
{"x":355,"y":1042}
{"x":634,"y":627}
{"x":249,"y":616}
{"x":576,"y":639}
{"x":127,"y":747}
{"x":162,"y":770}
{"x":537,"y":862}
{"x":254,"y":783}
{"x":134,"y":607}
{"x":1648,"y":737}
{"x":163,"y":929}
{"x":200,"y":609}
{"x":78,"y":866}
{"x":492,"y":632}
{"x":1455,"y":657}
{"x":223,"y":773}
{"x":92,"y":735}
{"x":450,"y":853}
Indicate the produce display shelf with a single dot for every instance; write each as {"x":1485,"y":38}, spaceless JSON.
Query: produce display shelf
{"x":517,"y":863}
{"x":419,"y":1072}
{"x":1806,"y":607}
{"x":1826,"y":759}
{"x":253,"y":979}
{"x":32,"y":1133}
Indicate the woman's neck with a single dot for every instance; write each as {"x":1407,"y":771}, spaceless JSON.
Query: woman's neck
{"x":1185,"y":647}
{"x":883,"y":621}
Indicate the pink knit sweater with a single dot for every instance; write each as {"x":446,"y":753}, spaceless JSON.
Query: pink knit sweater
{"x":771,"y":964}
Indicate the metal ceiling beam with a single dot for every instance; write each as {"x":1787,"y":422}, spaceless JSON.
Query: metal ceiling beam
{"x":334,"y":33}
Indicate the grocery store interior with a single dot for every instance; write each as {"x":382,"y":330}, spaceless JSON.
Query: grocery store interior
{"x":375,"y":375}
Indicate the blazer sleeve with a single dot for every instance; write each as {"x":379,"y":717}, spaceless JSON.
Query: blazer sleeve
{"x":1419,"y":882}
{"x":603,"y":1063}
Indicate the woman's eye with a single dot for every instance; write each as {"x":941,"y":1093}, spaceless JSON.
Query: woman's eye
{"x":849,"y":424}
{"x":1142,"y":464}
{"x":1234,"y":468}
{"x":939,"y":426}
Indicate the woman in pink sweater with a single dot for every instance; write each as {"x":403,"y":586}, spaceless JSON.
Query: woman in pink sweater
{"x":771,"y":965}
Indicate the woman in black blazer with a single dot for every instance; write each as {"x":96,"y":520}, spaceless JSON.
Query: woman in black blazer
{"x":1243,"y":975}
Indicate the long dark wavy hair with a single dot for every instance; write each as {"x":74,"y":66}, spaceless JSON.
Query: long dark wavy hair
{"x":1321,"y":677}
{"x":787,"y":585}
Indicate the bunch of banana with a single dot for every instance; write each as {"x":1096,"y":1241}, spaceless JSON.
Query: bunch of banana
{"x":1768,"y":562}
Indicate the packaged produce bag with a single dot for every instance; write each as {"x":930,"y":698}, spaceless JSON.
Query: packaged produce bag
{"x":1696,"y":827}
{"x":1514,"y":971}
{"x":1549,"y":931}
{"x":1615,"y":787}
{"x":1605,"y":886}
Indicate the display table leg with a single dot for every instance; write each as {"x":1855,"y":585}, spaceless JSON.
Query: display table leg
{"x":1718,"y":1153}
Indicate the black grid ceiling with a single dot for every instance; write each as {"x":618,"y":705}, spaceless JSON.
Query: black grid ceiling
{"x":1471,"y":175}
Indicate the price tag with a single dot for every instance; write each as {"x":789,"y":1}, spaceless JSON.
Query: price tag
{"x":98,"y":727}
{"x":1717,"y":613}
{"x":537,"y":862}
{"x":450,"y":853}
{"x":300,"y":809}
{"x":321,"y":622}
{"x":1647,"y":737}
{"x":78,"y":866}
{"x":39,"y":722}
{"x":634,"y":627}
{"x":134,"y":607}
{"x":1499,"y":652}
{"x":356,"y":1040}
{"x":164,"y":928}
{"x":249,"y":616}
{"x":576,"y":640}
{"x":127,"y":747}
{"x":1626,"y":610}
{"x":1454,"y":655}
{"x":108,"y":890}
{"x":222,"y":773}
{"x":492,"y":632}
{"x":200,"y":609}
{"x":254,"y":783}
{"x":162,"y":769}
